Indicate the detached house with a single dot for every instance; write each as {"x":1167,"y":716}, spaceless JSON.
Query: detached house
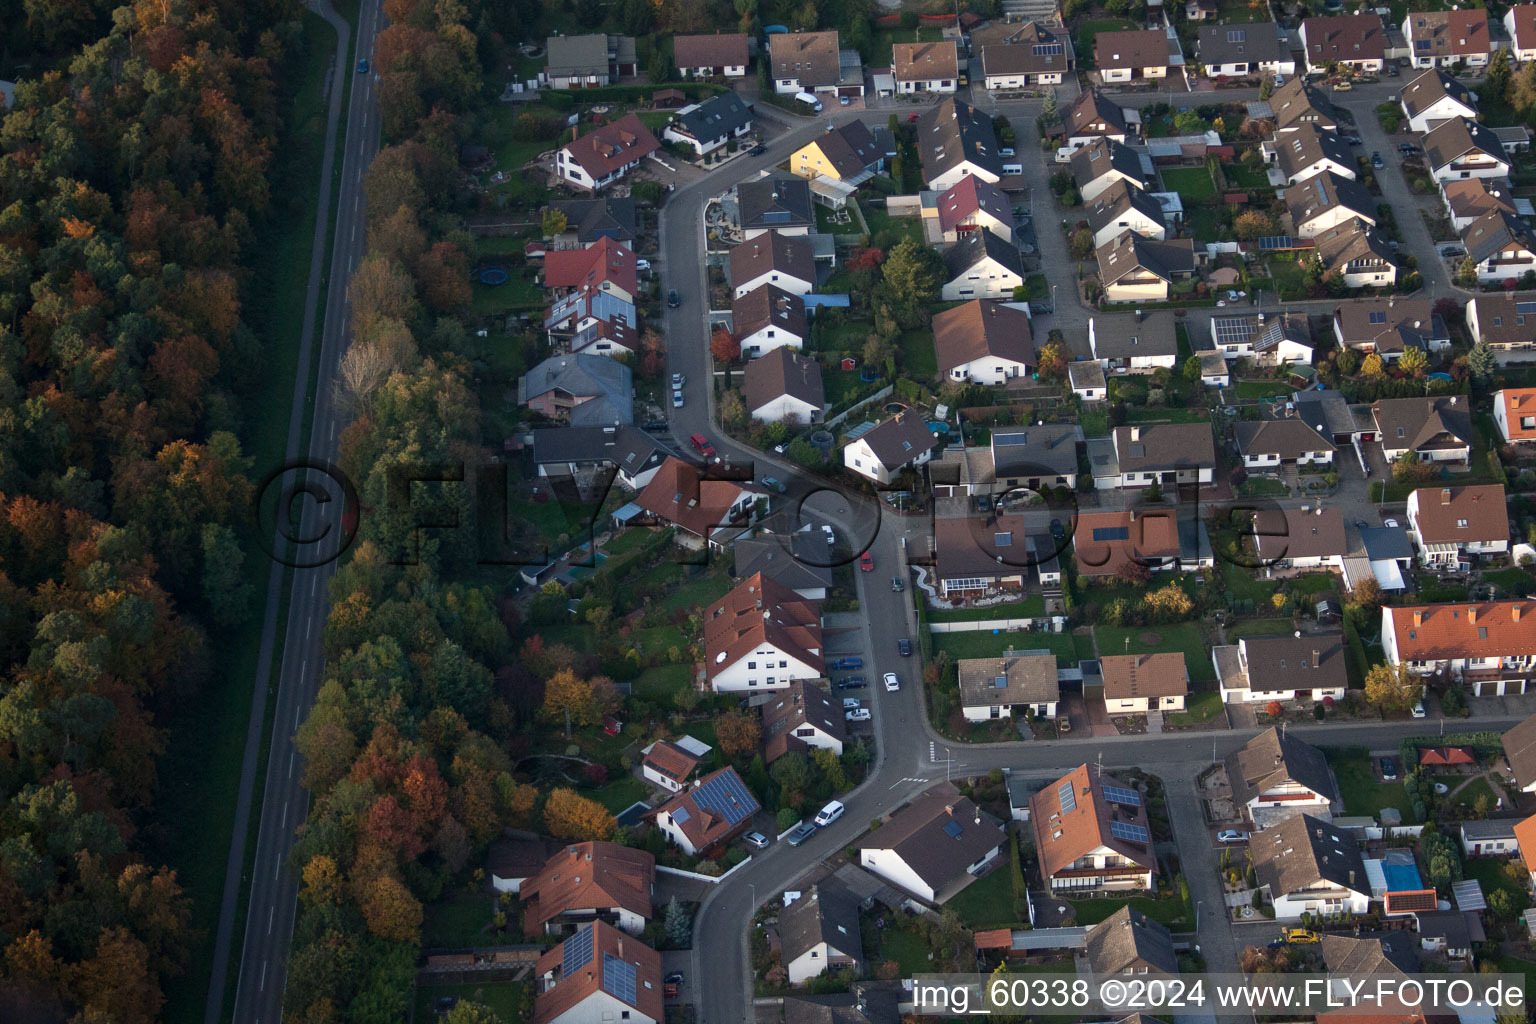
{"x":1135,"y":684}
{"x":669,"y":765}
{"x":1130,"y":942}
{"x":1165,"y":453}
{"x":783,"y":387}
{"x":1134,"y":342}
{"x":1236,"y":51}
{"x":1269,"y":339}
{"x":708,"y":126}
{"x":583,"y":390}
{"x":1444,"y":38}
{"x":1137,"y":269}
{"x":1501,"y":246}
{"x":1435,"y":97}
{"x":934,"y":847}
{"x":1091,"y":116}
{"x":606,"y":153}
{"x":1520,"y":24}
{"x":1467,"y":199}
{"x":1092,"y":833}
{"x":819,"y":932}
{"x":1514,"y":410}
{"x":925,"y":67}
{"x":992,"y":688}
{"x":1020,"y":56}
{"x":1489,"y":645}
{"x":954,"y":140}
{"x":1453,"y":524}
{"x":848,"y":153}
{"x":564,"y":453}
{"x":1460,"y":148}
{"x":774,"y":203}
{"x":1520,"y":751}
{"x":982,"y":265}
{"x":724,"y":54}
{"x":1275,"y":777}
{"x":686,"y":497}
{"x":709,"y":815}
{"x":971,"y":205}
{"x":799,"y":718}
{"x":1299,"y":102}
{"x":1389,"y":326}
{"x":1086,"y":378}
{"x":1288,"y":441}
{"x":984,"y":341}
{"x":768,"y":318}
{"x":1102,"y":162}
{"x":794,"y":560}
{"x":1300,"y":538}
{"x":1262,"y":669}
{"x":577,"y":62}
{"x":973,"y":556}
{"x":1358,"y":253}
{"x":605,"y":881}
{"x":810,"y":62}
{"x":1327,"y":201}
{"x":788,"y":261}
{"x":1122,"y":207}
{"x":762,"y":636}
{"x":1310,"y":867}
{"x":1503,"y":322}
{"x":901,"y":442}
{"x":1137,"y":53}
{"x":1438,"y":429}
{"x":1306,"y":151}
{"x":599,"y":973}
{"x":1492,"y":837}
{"x":1106,"y":543}
{"x":1354,"y":41}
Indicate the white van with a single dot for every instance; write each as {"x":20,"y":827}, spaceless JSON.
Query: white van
{"x":1013,"y":168}
{"x":828,"y":814}
{"x":810,"y":100}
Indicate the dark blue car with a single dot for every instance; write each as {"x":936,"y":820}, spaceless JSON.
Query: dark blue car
{"x":362,"y":66}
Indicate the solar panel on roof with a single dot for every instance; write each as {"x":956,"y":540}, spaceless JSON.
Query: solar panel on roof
{"x":1378,"y":316}
{"x":1275,"y":242}
{"x":1111,"y":533}
{"x":1121,"y":795}
{"x":1067,"y":797}
{"x":952,"y":829}
{"x":619,"y":978}
{"x":727,"y":796}
{"x":1130,"y":833}
{"x":1525,"y":307}
{"x":1230,"y":330}
{"x":578,"y":952}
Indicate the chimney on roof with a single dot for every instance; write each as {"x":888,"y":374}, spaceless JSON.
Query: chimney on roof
{"x":1418,"y":616}
{"x":1445,"y":495}
{"x":1317,"y":657}
{"x":1135,"y":433}
{"x":1261,"y":317}
{"x":1351,"y":876}
{"x":1138,"y":316}
{"x":1514,"y":613}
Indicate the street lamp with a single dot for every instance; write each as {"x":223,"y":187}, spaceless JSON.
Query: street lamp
{"x":1053,"y":298}
{"x":949,"y":760}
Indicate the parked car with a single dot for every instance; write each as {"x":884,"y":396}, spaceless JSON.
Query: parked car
{"x":830,"y":813}
{"x":1418,"y":710}
{"x":1301,"y":936}
{"x":753,"y":839}
{"x":847,"y":661}
{"x":1388,"y":770}
{"x":701,"y":445}
{"x":897,"y":585}
{"x":851,"y":704}
{"x":677,"y":398}
{"x":654,"y":425}
{"x":853,"y":683}
{"x":643,"y":266}
{"x":1344,"y":86}
{"x":859,"y":715}
{"x":1390,"y":524}
{"x":773,"y":484}
{"x":1231,"y":835}
{"x":757,"y":150}
{"x":1057,"y":530}
{"x":891,"y":682}
{"x":904,"y":647}
{"x":1005,"y":151}
{"x":1376,"y":160}
{"x":1355,"y":140}
{"x":673,"y":299}
{"x":844,"y":100}
{"x":912,"y":119}
{"x":678,"y":380}
{"x":867,"y":562}
{"x":1407,"y":148}
{"x":801,"y":834}
{"x":676,"y":977}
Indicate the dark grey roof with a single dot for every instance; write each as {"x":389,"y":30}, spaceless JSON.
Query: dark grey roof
{"x":629,"y":448}
{"x":900,"y":439}
{"x":1450,"y":925}
{"x":922,"y":836}
{"x":974,"y":246}
{"x":782,"y":371}
{"x":1091,"y":109}
{"x":793,"y":565}
{"x":1129,"y":940}
{"x":1433,"y":85}
{"x":719,"y":115}
{"x":1306,"y":145}
{"x":1270,"y":759}
{"x":768,"y":306}
{"x":1303,"y":851}
{"x":1326,"y":411}
{"x":1383,"y":543}
{"x":1307,"y":200}
{"x":777,"y":201}
{"x":1118,"y":200}
{"x":591,"y":219}
{"x":584,"y":376}
{"x":1102,"y":155}
{"x":1025,"y":450}
{"x":1164,"y":447}
{"x":1123,"y":335}
{"x":953,"y":132}
{"x":1121,"y":256}
{"x":868,"y":1003}
{"x":1458,"y":137}
{"x":1424,"y":423}
{"x":826,"y":912}
{"x":850,"y":148}
{"x":1234,"y":44}
{"x":1489,"y":828}
{"x":1288,"y":438}
{"x":1494,"y":232}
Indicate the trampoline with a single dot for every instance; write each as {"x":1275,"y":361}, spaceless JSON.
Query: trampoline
{"x":493,"y":276}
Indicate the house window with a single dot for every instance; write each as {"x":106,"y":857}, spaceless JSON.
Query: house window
{"x":751,"y":664}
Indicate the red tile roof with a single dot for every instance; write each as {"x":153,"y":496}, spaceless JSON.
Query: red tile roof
{"x":1449,"y":33}
{"x":591,"y":876}
{"x":1435,"y":756}
{"x":671,"y":760}
{"x":761,"y":610}
{"x":1441,"y":511}
{"x":1062,"y":836}
{"x":1525,"y":26}
{"x":608,"y":147}
{"x":1442,"y":632}
{"x":1525,"y":838}
{"x":683,"y":494}
{"x":607,"y":942}
{"x":603,"y":260}
{"x":727,"y":49}
{"x":1149,"y":536}
{"x":707,"y":826}
{"x":1519,"y":402}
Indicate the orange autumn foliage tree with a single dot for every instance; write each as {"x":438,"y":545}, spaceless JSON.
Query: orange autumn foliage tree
{"x":571,"y":816}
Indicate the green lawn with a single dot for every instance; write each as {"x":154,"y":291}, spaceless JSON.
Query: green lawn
{"x":1204,"y":223}
{"x":1182,"y":637}
{"x":1516,"y":581}
{"x":1160,"y":415}
{"x":986,"y":902}
{"x":461,"y":920}
{"x":826,"y":223}
{"x":620,"y":793}
{"x":1191,"y":183}
{"x":519,"y":293}
{"x":701,"y":590}
{"x":1261,"y":486}
{"x":1288,"y":278}
{"x":1174,"y":913}
{"x":1031,"y":607}
{"x":1466,"y":800}
{"x":1083,"y":41}
{"x":917,"y":356}
{"x":1198,"y":708}
{"x":1243,"y":176}
{"x":885,"y":230}
{"x":1259,"y":627}
{"x":505,"y":998}
{"x":907,"y":949}
{"x":1514,"y":965}
{"x":987,"y":644}
{"x":661,"y":684}
{"x":1363,"y":792}
{"x":1256,"y":389}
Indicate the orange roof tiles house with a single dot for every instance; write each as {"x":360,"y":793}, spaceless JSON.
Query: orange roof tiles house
{"x":1514,"y":410}
{"x":606,"y":153}
{"x":1491,"y":644}
{"x":714,"y":811}
{"x":591,"y":880}
{"x":1139,"y":683}
{"x":1520,"y":25}
{"x":925,"y":67}
{"x":1451,"y":523}
{"x":1107,"y":543}
{"x":605,"y":265}
{"x":1445,"y":37}
{"x":598,"y":974}
{"x":1525,"y":836}
{"x":693,"y":501}
{"x":761,"y":636}
{"x":668,"y":765}
{"x":1091,"y":832}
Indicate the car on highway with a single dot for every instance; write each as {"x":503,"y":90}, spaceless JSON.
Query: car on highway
{"x":857,"y":715}
{"x":800,"y":834}
{"x":897,"y":585}
{"x":904,"y":647}
{"x":701,"y":445}
{"x":891,"y":682}
{"x":830,"y":813}
{"x":678,"y":380}
{"x":1376,"y":160}
{"x":362,"y":66}
{"x":867,"y":562}
{"x":673,"y":299}
{"x":1388,"y":770}
{"x":851,"y":704}
{"x":756,"y":840}
{"x":853,"y":683}
{"x":1231,"y":835}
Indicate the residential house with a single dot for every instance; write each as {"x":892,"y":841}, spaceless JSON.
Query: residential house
{"x":972,"y":205}
{"x":1328,"y":413}
{"x":1445,"y":38}
{"x":1358,"y":253}
{"x":1287,"y":441}
{"x":578,"y":62}
{"x":1305,"y":151}
{"x":793,"y":560}
{"x":1214,"y":372}
{"x":1467,"y":199}
{"x":1017,"y":56}
{"x":586,"y":881}
{"x":1445,"y":932}
{"x":1503,"y":322}
{"x":804,"y":62}
{"x":583,"y":390}
{"x":1108,"y":543}
{"x":1434,"y":97}
{"x":668,"y":765}
{"x":973,"y":556}
{"x":1514,"y":410}
{"x":1460,"y":148}
{"x":706,"y":817}
{"x":777,"y":204}
{"x":1134,"y":342}
{"x":1165,"y":453}
{"x":1269,"y":339}
{"x":1520,"y":751}
{"x":1092,"y":833}
{"x":819,"y":932}
{"x":1101,"y":162}
{"x":587,"y":220}
{"x":599,"y":973}
{"x":1092,"y":116}
{"x":707,"y":126}
{"x":1135,"y":684}
{"x":1308,"y":866}
{"x":1380,"y":956}
{"x":901,"y":442}
{"x":783,"y":387}
{"x":1122,"y":207}
{"x":512,"y":861}
{"x":934,"y":847}
{"x":1438,"y":429}
{"x":954,"y":140}
{"x":1520,"y":26}
{"x":983,"y":341}
{"x":1501,"y":246}
{"x":992,"y":688}
{"x":1257,"y":670}
{"x":1490,"y":837}
{"x":593,"y":322}
{"x":801,"y":717}
{"x":1489,"y":645}
{"x":564,"y":453}
{"x":1300,"y":538}
{"x":925,"y":67}
{"x":685,"y":496}
{"x":1453,"y":524}
{"x":1236,"y":51}
{"x":724,"y":54}
{"x":1299,"y":102}
{"x":1036,"y":458}
{"x":768,"y":318}
{"x":848,"y":153}
{"x":762,"y":636}
{"x":788,"y":261}
{"x":1086,"y":378}
{"x":1276,"y":776}
{"x":1357,"y":42}
{"x":1389,"y":326}
{"x":1525,"y":841}
{"x":606,"y":265}
{"x":982,"y":266}
{"x":1137,"y":269}
{"x":1131,"y":54}
{"x":1326,"y":201}
{"x":606,"y":153}
{"x":1130,"y":942}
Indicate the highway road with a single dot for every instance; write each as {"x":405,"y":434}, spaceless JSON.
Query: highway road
{"x":273,"y":887}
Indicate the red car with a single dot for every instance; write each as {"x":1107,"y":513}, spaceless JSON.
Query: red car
{"x":867,"y":562}
{"x":701,"y":443}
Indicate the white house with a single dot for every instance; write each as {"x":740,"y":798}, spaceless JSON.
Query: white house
{"x":985,"y":341}
{"x":1087,"y":379}
{"x":1491,"y":644}
{"x":1491,"y":837}
{"x":1134,"y":342}
{"x":1092,"y":834}
{"x":723,"y":54}
{"x":589,"y":880}
{"x":934,"y":847}
{"x":706,"y":127}
{"x":1514,"y":410}
{"x":901,"y":442}
{"x":783,"y":387}
{"x":788,"y":261}
{"x":1300,"y":538}
{"x":606,"y":153}
{"x":1326,"y":201}
{"x":1446,"y":38}
{"x":1269,"y":339}
{"x":925,"y":67}
{"x":1520,"y":25}
{"x":1452,"y":524}
{"x":993,"y":688}
{"x":982,"y":265}
{"x":1289,"y":441}
{"x":711,"y":813}
{"x":1503,"y":322}
{"x":1257,"y":670}
{"x":1164,"y":453}
{"x":1276,"y":776}
{"x":801,"y":717}
{"x":1122,"y":207}
{"x":1460,"y":148}
{"x":819,"y":931}
{"x":1310,"y":867}
{"x":1502,"y":247}
{"x":599,"y":974}
{"x":761,"y":636}
{"x":1439,"y":429}
{"x":954,"y":140}
{"x":1434,"y":97}
{"x":1356,"y":42}
{"x":669,"y":765}
{"x":1135,"y":684}
{"x":766,"y":318}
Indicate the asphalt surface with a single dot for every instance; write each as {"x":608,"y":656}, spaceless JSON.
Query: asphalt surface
{"x":273,"y":886}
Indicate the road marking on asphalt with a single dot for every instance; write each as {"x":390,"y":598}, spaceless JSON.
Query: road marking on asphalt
{"x":365,"y":117}
{"x":291,"y":755}
{"x":271,"y":912}
{"x":295,"y":718}
{"x":308,"y":625}
{"x":263,"y":976}
{"x":285,"y":816}
{"x":315,"y":582}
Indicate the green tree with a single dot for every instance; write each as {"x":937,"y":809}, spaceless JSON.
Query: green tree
{"x":1348,"y":361}
{"x":1253,"y":225}
{"x":554,"y":222}
{"x":1466,"y":272}
{"x":1192,"y":371}
{"x":1050,"y":112}
{"x":1521,"y":93}
{"x":911,"y":278}
{"x":1266,"y":88}
{"x":659,"y":67}
{"x":1481,"y":364}
{"x":469,"y":1013}
{"x":1499,"y":71}
{"x":226,"y":590}
{"x":1081,"y":245}
{"x":677,"y":924}
{"x":1413,"y":361}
